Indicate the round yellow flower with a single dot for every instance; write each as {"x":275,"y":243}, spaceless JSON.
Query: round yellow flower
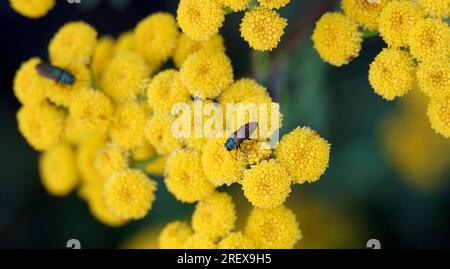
{"x":396,"y":21}
{"x":256,"y":151}
{"x":143,"y":152}
{"x":273,"y":3}
{"x":215,"y":216}
{"x":32,"y":8}
{"x":220,"y":166}
{"x":262,"y":28}
{"x":29,"y":87}
{"x":187,"y":46}
{"x":125,"y":42}
{"x":156,"y":168}
{"x":273,"y":228}
{"x":207,"y":73}
{"x":126,"y":77}
{"x":127,"y":129}
{"x":130,"y":194}
{"x":73,"y":134}
{"x":439,"y":115}
{"x":57,"y":169}
{"x":392,"y":73}
{"x":92,"y":110}
{"x":244,"y":91}
{"x":436,"y":8}
{"x":200,"y":19}
{"x":156,"y":37}
{"x":304,"y":154}
{"x":42,"y":125}
{"x":429,"y":39}
{"x":111,"y":159}
{"x":199,"y":241}
{"x":236,"y":240}
{"x":74,"y":43}
{"x":85,"y":157}
{"x":174,"y":235}
{"x":99,"y":209}
{"x":158,"y":131}
{"x":103,"y":54}
{"x":184,"y":177}
{"x":236,"y":5}
{"x":165,"y":90}
{"x":337,"y":39}
{"x":266,"y":185}
{"x":434,"y":78}
{"x":364,"y":12}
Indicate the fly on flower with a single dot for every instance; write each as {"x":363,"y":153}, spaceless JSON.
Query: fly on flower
{"x":55,"y":73}
{"x":243,"y":133}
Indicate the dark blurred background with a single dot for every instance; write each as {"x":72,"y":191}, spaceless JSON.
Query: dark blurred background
{"x":378,"y":184}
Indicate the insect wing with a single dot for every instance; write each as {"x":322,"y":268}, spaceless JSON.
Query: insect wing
{"x":244,"y":132}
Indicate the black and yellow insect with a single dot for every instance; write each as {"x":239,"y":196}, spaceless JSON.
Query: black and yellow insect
{"x":55,"y":73}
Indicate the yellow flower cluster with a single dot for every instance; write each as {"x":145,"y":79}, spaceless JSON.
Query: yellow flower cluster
{"x":261,"y":27}
{"x":32,"y":8}
{"x":418,"y":39}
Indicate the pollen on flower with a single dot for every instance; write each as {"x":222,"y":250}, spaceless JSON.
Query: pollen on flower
{"x":256,"y":151}
{"x":364,"y":12}
{"x":214,"y":216}
{"x":158,"y":131}
{"x":57,"y":169}
{"x":236,"y":240}
{"x":174,"y":235}
{"x":435,"y":8}
{"x":32,"y":8}
{"x":430,"y":38}
{"x":236,"y":5}
{"x":262,"y":28}
{"x":200,"y":19}
{"x":337,"y":39}
{"x":392,"y":73}
{"x":128,"y":125}
{"x":304,"y":154}
{"x":207,"y":73}
{"x":187,"y":46}
{"x":434,"y":78}
{"x":273,"y":228}
{"x":199,"y":241}
{"x":110,"y":159}
{"x":273,"y":3}
{"x":439,"y":115}
{"x":130,"y":194}
{"x":29,"y":87}
{"x":103,"y":54}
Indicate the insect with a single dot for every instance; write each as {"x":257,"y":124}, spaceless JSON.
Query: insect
{"x":243,"y":133}
{"x":55,"y":73}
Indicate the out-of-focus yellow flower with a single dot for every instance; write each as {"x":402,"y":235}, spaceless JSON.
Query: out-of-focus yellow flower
{"x":364,"y":12}
{"x":220,"y":166}
{"x":110,"y":159}
{"x":435,"y":8}
{"x":256,"y":151}
{"x":273,"y":3}
{"x":85,"y":159}
{"x":126,"y":77}
{"x":143,"y":152}
{"x":337,"y":39}
{"x":199,"y":241}
{"x":156,"y":168}
{"x":262,"y":28}
{"x":158,"y":131}
{"x":187,"y":46}
{"x":57,"y":169}
{"x":156,"y":37}
{"x":200,"y":19}
{"x":125,"y":42}
{"x":130,"y":194}
{"x":165,"y":90}
{"x":32,"y":8}
{"x":266,"y":185}
{"x":99,"y":209}
{"x":143,"y":239}
{"x":429,"y":39}
{"x":103,"y":54}
{"x":29,"y":87}
{"x":434,"y":77}
{"x":396,"y":21}
{"x":174,"y":235}
{"x":439,"y":115}
{"x":215,"y":216}
{"x":128,"y":125}
{"x":304,"y":154}
{"x":392,"y":73}
{"x":41,"y":125}
{"x":207,"y":73}
{"x":73,"y":134}
{"x":236,"y":240}
{"x":273,"y":228}
{"x":235,"y":5}
{"x":74,"y":43}
{"x":185,"y":178}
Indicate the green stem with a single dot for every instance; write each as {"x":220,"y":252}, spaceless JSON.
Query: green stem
{"x":260,"y":65}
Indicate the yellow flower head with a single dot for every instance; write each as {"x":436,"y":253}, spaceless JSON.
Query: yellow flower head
{"x":85,"y":161}
{"x":111,"y":159}
{"x":29,"y":87}
{"x":199,"y":241}
{"x":266,"y":185}
{"x":128,"y":125}
{"x":304,"y":154}
{"x":262,"y":28}
{"x":434,"y":78}
{"x":392,"y":73}
{"x":158,"y":131}
{"x":273,"y":3}
{"x":91,"y":110}
{"x":74,"y":43}
{"x":364,"y":12}
{"x":103,"y":54}
{"x":435,"y":8}
{"x":337,"y":39}
{"x":235,"y":5}
{"x":439,"y":115}
{"x":220,"y":166}
{"x":165,"y":90}
{"x":73,"y":134}
{"x":185,"y":178}
{"x":187,"y":46}
{"x":429,"y":39}
{"x":156,"y":168}
{"x":99,"y":209}
{"x":256,"y":151}
{"x":57,"y":168}
{"x":130,"y":194}
{"x":236,"y":240}
{"x":273,"y":228}
{"x":42,"y":125}
{"x":156,"y":37}
{"x":174,"y":235}
{"x":126,"y":76}
{"x":143,"y":152}
{"x":244,"y":91}
{"x":215,"y":216}
{"x":125,"y":42}
{"x":207,"y":73}
{"x":200,"y":19}
{"x":396,"y":21}
{"x":32,"y":8}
